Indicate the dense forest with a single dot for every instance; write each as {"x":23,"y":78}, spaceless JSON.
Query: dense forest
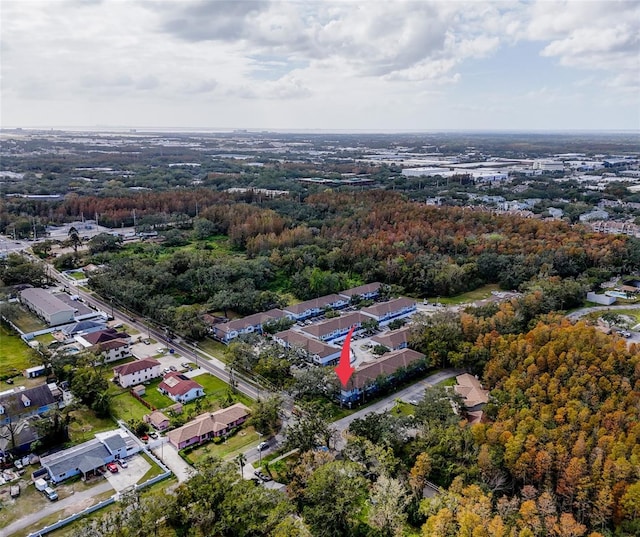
{"x":243,"y":254}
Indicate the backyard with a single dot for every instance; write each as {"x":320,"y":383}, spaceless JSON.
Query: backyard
{"x":15,"y":354}
{"x":27,"y":322}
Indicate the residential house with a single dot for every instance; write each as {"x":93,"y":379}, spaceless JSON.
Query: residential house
{"x":68,"y":332}
{"x":180,"y":388}
{"x":47,"y":306}
{"x":474,"y":396}
{"x":209,"y":425}
{"x":364,"y":378}
{"x":137,"y":372}
{"x":368,"y":291}
{"x":385,"y":312}
{"x":225,"y":332}
{"x":18,"y":437}
{"x":317,"y":351}
{"x":394,"y":339}
{"x":157,"y":420}
{"x":337,"y":328}
{"x":108,"y":343}
{"x":17,"y":404}
{"x":85,"y":459}
{"x":317,"y":306}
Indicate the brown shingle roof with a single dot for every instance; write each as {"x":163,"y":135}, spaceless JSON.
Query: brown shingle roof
{"x":328,"y":326}
{"x":387,"y":307}
{"x":386,"y":365}
{"x":312,"y":346}
{"x":393,"y":338}
{"x":320,"y":302}
{"x":250,"y":320}
{"x":135,"y":366}
{"x":471,"y":390}
{"x":362,"y":289}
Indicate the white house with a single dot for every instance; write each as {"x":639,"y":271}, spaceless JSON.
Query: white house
{"x":337,"y":328}
{"x":225,"y":332}
{"x":366,"y":292}
{"x":137,"y":372}
{"x":180,"y":388}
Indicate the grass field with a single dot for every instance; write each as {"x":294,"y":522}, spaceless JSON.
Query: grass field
{"x":155,"y":398}
{"x":471,"y":296}
{"x":84,"y":425}
{"x":213,"y":347}
{"x":216,"y":389}
{"x":27,"y":322}
{"x":126,"y":407}
{"x":15,"y":354}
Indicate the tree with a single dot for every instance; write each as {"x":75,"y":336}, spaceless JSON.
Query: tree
{"x":104,"y":242}
{"x":333,"y":499}
{"x":389,"y":500}
{"x":265,"y":416}
{"x":420,"y":472}
{"x":241,"y":460}
{"x":310,"y":430}
{"x":74,"y":239}
{"x":88,"y":384}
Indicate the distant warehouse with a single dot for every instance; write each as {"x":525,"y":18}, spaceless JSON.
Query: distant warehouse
{"x":47,"y":306}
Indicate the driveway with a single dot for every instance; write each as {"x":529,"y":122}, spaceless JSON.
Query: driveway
{"x":415,"y":391}
{"x":168,"y":454}
{"x":137,"y":466}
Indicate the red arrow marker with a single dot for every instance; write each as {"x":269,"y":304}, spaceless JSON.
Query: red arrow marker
{"x":344,"y":369}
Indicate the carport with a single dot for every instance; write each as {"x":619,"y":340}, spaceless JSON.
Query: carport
{"x":89,"y":464}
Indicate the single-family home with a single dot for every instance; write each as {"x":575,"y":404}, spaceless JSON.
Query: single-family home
{"x":474,"y":396}
{"x":47,"y":306}
{"x":17,"y":404}
{"x":225,"y":332}
{"x":137,"y":372}
{"x":368,"y":291}
{"x":180,"y":388}
{"x":209,"y":425}
{"x":316,"y":306}
{"x":393,"y":339}
{"x":337,"y":328}
{"x":385,"y":312}
{"x":157,"y":420}
{"x":317,"y":351}
{"x":17,"y":437}
{"x":86,"y":458}
{"x":364,"y":378}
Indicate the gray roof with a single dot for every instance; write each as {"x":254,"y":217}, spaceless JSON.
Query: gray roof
{"x":114,"y":443}
{"x":38,"y":396}
{"x":82,"y":326}
{"x":44,"y":300}
{"x":77,"y":457}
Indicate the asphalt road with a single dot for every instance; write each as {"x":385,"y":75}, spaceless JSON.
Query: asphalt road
{"x":210,"y":364}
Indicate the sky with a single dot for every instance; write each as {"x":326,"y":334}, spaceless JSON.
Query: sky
{"x":337,"y":65}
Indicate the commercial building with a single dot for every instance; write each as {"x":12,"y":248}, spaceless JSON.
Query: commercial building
{"x":47,"y":306}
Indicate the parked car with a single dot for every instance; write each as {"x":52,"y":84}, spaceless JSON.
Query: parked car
{"x":262,"y":476}
{"x":153,"y":434}
{"x":166,"y":370}
{"x":112,"y":467}
{"x":173,"y":368}
{"x":50,"y":493}
{"x":123,"y":463}
{"x":262,"y":446}
{"x":186,"y":365}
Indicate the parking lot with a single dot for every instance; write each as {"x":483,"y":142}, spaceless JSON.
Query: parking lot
{"x":137,"y":466}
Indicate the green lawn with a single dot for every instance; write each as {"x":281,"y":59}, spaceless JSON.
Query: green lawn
{"x":240,"y":442}
{"x":213,"y":347}
{"x":15,"y":354}
{"x":126,"y":407}
{"x":216,"y":389}
{"x":477,"y":294}
{"x":84,"y":425}
{"x":77,"y":275}
{"x":155,"y":398}
{"x":45,"y":339}
{"x":28,"y":322}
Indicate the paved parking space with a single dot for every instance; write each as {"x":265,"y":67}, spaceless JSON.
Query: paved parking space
{"x":137,"y":466}
{"x":168,"y":454}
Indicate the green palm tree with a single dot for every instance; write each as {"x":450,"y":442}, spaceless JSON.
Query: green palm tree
{"x":242,"y":460}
